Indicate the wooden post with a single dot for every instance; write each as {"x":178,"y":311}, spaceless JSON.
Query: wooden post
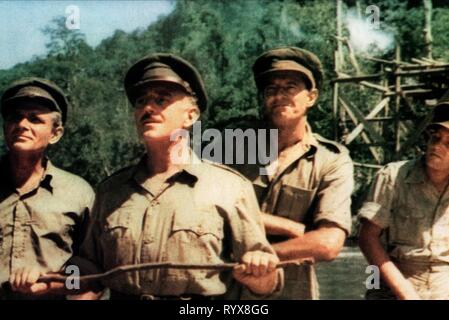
{"x":339,"y":33}
{"x":335,"y":99}
{"x":338,"y":63}
{"x":397,"y":132}
{"x":427,"y":31}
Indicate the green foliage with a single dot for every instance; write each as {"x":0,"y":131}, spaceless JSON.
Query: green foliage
{"x":222,"y":38}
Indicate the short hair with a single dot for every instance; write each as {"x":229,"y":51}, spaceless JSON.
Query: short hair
{"x":57,"y":120}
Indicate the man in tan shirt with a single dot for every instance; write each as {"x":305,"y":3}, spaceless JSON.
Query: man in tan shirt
{"x":172,"y":206}
{"x":306,"y":194}
{"x":43,"y":209}
{"x":405,"y":221}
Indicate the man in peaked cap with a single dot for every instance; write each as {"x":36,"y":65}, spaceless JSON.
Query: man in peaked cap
{"x":172,"y":206}
{"x":305,"y":193}
{"x":409,"y":202}
{"x":43,"y":209}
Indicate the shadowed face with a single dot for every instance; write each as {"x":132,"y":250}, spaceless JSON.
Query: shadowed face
{"x":437,"y":153}
{"x":161,"y":110}
{"x":29,"y":128}
{"x":287,"y":99}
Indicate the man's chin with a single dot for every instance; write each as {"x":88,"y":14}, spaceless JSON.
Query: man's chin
{"x":154,"y":137}
{"x":280,"y":120}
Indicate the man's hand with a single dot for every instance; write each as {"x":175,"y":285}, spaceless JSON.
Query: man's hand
{"x":258,"y":272}
{"x":25,"y":281}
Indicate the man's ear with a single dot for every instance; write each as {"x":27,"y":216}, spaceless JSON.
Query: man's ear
{"x":58,"y":132}
{"x":192,"y":115}
{"x":312,"y":97}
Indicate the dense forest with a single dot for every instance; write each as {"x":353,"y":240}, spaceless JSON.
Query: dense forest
{"x":222,"y":38}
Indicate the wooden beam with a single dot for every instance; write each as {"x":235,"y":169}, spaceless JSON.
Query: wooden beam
{"x":375,"y":119}
{"x":357,"y":130}
{"x":420,"y":66}
{"x":358,"y":78}
{"x":439,"y":69}
{"x":374,"y":86}
{"x":366,"y":83}
{"x":408,"y":92}
{"x":365,"y":137}
{"x":351,"y":109}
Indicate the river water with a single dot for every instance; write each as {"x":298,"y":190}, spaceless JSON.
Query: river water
{"x":343,"y":278}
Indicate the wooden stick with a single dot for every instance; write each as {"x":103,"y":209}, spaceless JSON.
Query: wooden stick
{"x":160,"y":265}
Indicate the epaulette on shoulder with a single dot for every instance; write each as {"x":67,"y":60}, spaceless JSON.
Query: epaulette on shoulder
{"x":330,"y":144}
{"x":225,"y":167}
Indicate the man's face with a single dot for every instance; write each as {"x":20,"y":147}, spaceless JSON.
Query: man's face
{"x":286,"y":99}
{"x":29,"y":128}
{"x":163,"y":109}
{"x":437,"y":153}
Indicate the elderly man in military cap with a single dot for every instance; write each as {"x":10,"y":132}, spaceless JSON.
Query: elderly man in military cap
{"x":172,"y":206}
{"x":305,"y":193}
{"x":408,"y":207}
{"x":43,"y":209}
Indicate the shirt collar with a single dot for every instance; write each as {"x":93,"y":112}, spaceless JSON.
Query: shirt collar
{"x":188,"y":173}
{"x":46,"y":181}
{"x":307,"y":145}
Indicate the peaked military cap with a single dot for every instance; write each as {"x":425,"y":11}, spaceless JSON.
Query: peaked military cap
{"x":288,"y":59}
{"x":441,"y":112}
{"x":164,"y":67}
{"x":35,"y":88}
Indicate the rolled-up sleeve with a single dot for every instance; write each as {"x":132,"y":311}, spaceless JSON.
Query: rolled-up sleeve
{"x":377,"y":205}
{"x":334,"y":193}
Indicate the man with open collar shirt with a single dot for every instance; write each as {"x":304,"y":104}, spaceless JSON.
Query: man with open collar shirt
{"x":405,"y":220}
{"x":43,"y":210}
{"x":174,"y":207}
{"x":305,"y":194}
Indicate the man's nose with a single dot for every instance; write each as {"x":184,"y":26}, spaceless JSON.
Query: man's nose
{"x":23,"y":122}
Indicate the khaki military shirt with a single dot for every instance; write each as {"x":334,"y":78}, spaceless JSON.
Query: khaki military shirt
{"x":45,"y":226}
{"x":206,"y":213}
{"x":310,"y":182}
{"x":403,"y":201}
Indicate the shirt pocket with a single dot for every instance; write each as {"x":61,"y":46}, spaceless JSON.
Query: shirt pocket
{"x":196,"y":237}
{"x":409,"y":223}
{"x":294,"y":202}
{"x":116,"y":240}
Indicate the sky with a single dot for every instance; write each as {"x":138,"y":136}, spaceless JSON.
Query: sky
{"x":21,"y":22}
